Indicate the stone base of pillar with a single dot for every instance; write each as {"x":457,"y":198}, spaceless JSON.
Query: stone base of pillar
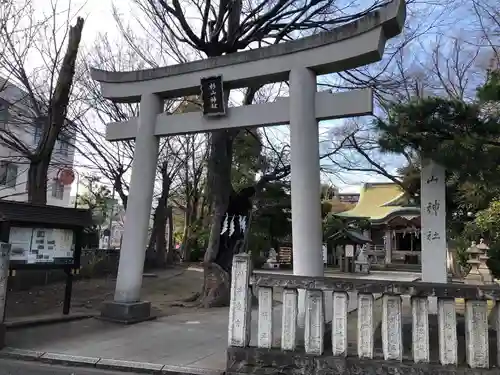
{"x":2,"y":335}
{"x":126,"y":312}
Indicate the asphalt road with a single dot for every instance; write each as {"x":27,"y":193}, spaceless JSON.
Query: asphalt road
{"x":14,"y":367}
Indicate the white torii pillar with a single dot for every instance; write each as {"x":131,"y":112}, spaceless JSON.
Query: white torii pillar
{"x":127,"y":306}
{"x":305,"y":182}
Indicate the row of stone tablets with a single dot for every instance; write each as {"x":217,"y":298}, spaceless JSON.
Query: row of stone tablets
{"x":392,"y":328}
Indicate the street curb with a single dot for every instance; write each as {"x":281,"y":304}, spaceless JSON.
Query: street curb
{"x":104,"y":363}
{"x":47,"y":320}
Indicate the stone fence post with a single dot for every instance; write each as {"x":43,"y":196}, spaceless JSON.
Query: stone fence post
{"x":240,"y":307}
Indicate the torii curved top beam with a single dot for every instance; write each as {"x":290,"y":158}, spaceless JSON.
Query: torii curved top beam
{"x":351,"y":45}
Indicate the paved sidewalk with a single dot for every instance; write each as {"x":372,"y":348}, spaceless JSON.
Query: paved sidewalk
{"x":196,"y":340}
{"x":15,"y":367}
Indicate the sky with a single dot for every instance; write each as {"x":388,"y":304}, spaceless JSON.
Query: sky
{"x":99,"y":19}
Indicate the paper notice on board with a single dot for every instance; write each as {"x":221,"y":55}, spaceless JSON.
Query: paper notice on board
{"x":20,"y":240}
{"x":31,"y":258}
{"x":64,"y":239}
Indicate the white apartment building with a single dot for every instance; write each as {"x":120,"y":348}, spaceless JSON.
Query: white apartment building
{"x":13,"y":166}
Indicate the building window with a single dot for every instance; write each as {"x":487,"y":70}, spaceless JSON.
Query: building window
{"x":8,"y":174}
{"x":57,"y":189}
{"x":63,"y":144}
{"x":4,"y":115}
{"x":37,"y":131}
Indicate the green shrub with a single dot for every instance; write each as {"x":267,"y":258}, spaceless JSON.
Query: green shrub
{"x":258,"y":262}
{"x":494,"y":261}
{"x":196,"y":254}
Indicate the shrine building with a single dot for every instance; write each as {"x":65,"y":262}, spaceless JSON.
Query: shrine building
{"x":395,"y":223}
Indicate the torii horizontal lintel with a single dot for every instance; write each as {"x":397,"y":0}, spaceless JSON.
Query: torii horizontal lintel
{"x":328,"y":106}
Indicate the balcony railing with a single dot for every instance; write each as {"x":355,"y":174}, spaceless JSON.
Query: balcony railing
{"x":389,"y":329}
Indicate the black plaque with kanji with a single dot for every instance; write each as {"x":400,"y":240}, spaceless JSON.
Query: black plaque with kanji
{"x":212,"y":95}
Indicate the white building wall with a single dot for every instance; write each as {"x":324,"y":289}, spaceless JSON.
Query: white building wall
{"x":17,"y":191}
{"x":20,"y":192}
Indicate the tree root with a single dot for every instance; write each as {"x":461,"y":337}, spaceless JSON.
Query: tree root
{"x":216,"y":286}
{"x":188,"y":305}
{"x":194,"y":297}
{"x":215,"y":291}
{"x":191,"y":301}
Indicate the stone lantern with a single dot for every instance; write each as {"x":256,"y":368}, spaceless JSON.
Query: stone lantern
{"x":479,"y":272}
{"x":483,"y":267}
{"x":361,"y":263}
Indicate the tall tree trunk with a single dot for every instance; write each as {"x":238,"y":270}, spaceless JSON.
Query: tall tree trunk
{"x":156,"y":251}
{"x":161,"y":241}
{"x":37,"y":180}
{"x":120,"y":190}
{"x":150,"y":258}
{"x":217,"y":274}
{"x":55,"y":120}
{"x":222,"y":247}
{"x":186,"y":233}
{"x":190,"y":224}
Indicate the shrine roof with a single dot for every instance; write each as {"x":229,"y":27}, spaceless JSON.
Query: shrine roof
{"x":51,"y":216}
{"x":379,"y":201}
{"x":349,"y":236}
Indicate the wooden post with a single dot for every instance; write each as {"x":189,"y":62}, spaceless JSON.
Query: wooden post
{"x":4,"y":277}
{"x":68,"y":291}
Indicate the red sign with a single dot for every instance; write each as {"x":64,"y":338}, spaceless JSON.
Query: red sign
{"x":66,"y":176}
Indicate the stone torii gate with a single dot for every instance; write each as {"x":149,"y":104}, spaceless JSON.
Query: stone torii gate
{"x":349,"y":46}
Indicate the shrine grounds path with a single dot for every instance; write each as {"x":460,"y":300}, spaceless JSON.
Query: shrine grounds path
{"x":165,"y":287}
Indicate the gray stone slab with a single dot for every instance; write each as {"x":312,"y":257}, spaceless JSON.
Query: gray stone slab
{"x":195,"y":354}
{"x":115,"y":364}
{"x":216,"y":361}
{"x":69,"y":359}
{"x":20,"y":353}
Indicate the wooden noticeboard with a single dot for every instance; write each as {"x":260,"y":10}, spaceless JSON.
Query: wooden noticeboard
{"x":43,"y":237}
